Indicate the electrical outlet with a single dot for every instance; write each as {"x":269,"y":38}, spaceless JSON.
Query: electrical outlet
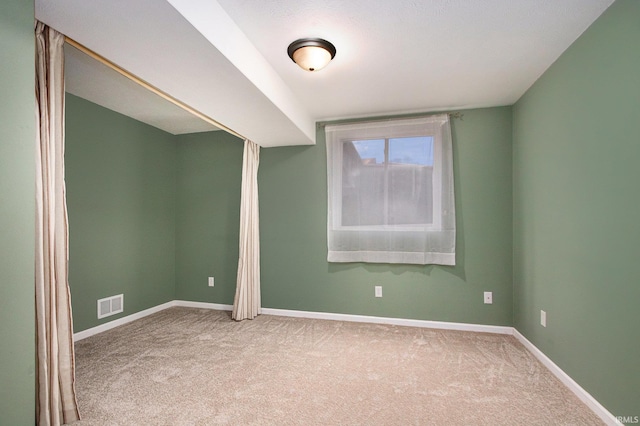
{"x":543,"y":318}
{"x":211,"y":282}
{"x":488,"y":297}
{"x":378,"y":291}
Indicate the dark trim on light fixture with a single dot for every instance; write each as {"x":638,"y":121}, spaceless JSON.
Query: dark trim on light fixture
{"x":304,"y":42}
{"x":311,"y":42}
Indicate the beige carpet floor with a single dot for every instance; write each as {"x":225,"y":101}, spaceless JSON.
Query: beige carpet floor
{"x":186,"y":366}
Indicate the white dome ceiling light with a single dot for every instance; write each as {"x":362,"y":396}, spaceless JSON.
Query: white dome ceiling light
{"x":311,"y":54}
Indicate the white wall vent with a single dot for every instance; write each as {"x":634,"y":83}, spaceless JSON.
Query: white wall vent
{"x":110,"y":306}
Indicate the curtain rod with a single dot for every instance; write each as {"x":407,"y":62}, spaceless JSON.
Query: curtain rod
{"x":452,"y":115}
{"x":150,"y":87}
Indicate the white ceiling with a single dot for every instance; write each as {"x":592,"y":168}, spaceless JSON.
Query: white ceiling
{"x":228,"y":58}
{"x":91,"y":80}
{"x":415,"y":55}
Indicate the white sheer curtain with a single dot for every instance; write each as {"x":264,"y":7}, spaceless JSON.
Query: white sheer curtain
{"x":246,"y":304}
{"x":56,"y":398}
{"x":390,"y":191}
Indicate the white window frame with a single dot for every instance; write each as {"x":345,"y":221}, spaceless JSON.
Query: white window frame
{"x":432,"y":243}
{"x":436,"y":184}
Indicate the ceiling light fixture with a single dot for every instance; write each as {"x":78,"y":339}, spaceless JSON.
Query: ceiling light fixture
{"x":311,"y":54}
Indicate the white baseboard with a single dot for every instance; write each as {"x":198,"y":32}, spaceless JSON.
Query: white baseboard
{"x":202,"y":305}
{"x":573,"y":386}
{"x":124,"y":320}
{"x":391,"y":321}
{"x":120,"y":321}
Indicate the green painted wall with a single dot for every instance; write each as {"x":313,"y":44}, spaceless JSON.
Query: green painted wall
{"x":293,"y":216}
{"x":17,"y":213}
{"x":576,"y":210}
{"x":121,"y":196}
{"x":208,"y":212}
{"x":295,"y":273}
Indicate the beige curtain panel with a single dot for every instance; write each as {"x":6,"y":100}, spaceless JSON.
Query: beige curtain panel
{"x":246,"y":304}
{"x":56,"y":398}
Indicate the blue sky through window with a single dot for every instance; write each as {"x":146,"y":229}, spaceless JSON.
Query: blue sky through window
{"x":414,"y":150}
{"x":370,"y":149}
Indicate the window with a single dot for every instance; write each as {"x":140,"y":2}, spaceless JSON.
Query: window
{"x":390,"y":194}
{"x":388,"y":183}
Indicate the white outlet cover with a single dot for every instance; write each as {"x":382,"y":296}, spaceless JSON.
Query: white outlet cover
{"x":543,"y":318}
{"x":211,"y":282}
{"x":488,"y":297}
{"x":378,"y":291}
